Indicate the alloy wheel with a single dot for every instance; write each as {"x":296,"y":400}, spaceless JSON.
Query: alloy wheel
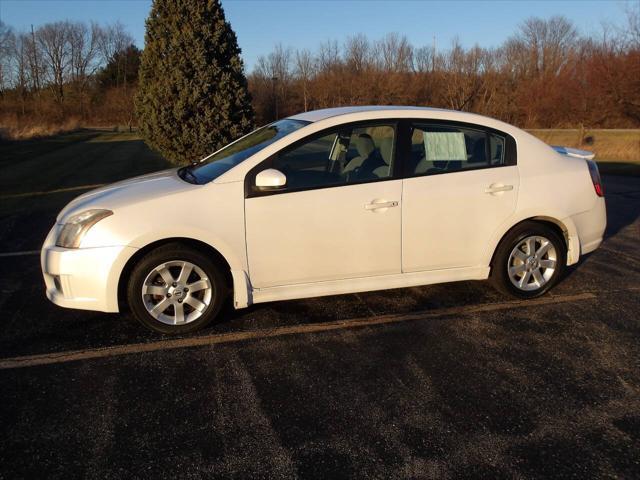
{"x":176,"y":292}
{"x":532,"y":263}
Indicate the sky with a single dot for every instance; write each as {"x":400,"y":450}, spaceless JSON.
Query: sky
{"x":261,"y":25}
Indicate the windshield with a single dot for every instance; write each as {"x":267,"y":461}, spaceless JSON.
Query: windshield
{"x":225,"y":159}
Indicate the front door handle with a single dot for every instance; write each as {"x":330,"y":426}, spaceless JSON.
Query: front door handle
{"x":376,"y":204}
{"x":498,"y":188}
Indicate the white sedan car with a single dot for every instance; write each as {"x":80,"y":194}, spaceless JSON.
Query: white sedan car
{"x":329,"y":202}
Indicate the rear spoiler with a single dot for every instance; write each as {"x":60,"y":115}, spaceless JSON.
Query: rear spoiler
{"x":574,"y":152}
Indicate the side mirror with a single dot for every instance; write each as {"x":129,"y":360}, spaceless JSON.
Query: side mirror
{"x":270,"y":179}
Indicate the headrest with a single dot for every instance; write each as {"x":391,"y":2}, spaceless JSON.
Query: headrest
{"x":365,"y":145}
{"x":385,"y":149}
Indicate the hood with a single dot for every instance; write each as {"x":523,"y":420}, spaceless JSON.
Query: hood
{"x":126,"y":192}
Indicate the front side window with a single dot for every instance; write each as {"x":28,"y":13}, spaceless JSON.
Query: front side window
{"x":444,"y":148}
{"x":344,"y":156}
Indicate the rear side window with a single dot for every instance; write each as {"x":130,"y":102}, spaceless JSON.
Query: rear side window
{"x":449,"y":148}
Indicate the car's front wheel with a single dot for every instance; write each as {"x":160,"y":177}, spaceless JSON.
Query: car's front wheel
{"x":529,"y":260}
{"x":175,"y":289}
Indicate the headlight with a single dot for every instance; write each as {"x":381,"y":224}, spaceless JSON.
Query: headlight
{"x":78,"y":225}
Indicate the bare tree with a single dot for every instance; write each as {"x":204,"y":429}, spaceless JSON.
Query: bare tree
{"x":84,"y":51}
{"x":53,"y":39}
{"x":83,"y":43}
{"x":357,"y":53}
{"x":304,"y":67}
{"x":630,"y":33}
{"x":112,"y":40}
{"x":423,"y":59}
{"x":395,"y":53}
{"x":276,"y":64}
{"x":464,"y":80}
{"x":20,"y":56}
{"x":36,"y":62}
{"x":328,"y":55}
{"x":543,"y":75}
{"x":280,"y":61}
{"x":275,"y":70}
{"x":547,"y":42}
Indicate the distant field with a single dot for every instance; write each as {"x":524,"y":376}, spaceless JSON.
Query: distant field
{"x":105,"y":156}
{"x":617,"y":151}
{"x":68,"y":164}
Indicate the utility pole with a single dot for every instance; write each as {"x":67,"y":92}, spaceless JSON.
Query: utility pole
{"x":34,"y":62}
{"x":433,"y":56}
{"x":275,"y":95}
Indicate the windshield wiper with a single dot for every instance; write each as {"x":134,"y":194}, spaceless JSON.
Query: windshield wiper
{"x":185,"y":172}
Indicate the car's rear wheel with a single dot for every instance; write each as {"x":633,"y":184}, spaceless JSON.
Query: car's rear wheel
{"x":175,"y":289}
{"x":529,"y":260}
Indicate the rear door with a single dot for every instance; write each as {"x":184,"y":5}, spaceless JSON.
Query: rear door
{"x":461,"y":183}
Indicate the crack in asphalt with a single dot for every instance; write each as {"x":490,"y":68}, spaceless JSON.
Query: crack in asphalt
{"x":118,"y":350}
{"x":20,"y":254}
{"x":618,"y":252}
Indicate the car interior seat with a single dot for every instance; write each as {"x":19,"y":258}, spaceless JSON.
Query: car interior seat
{"x":365,"y":148}
{"x":386,"y":146}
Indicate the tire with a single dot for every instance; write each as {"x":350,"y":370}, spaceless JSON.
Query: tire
{"x":515,"y":272}
{"x":184,"y":289}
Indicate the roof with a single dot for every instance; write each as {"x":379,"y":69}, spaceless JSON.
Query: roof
{"x":316,"y":115}
{"x":370,"y":112}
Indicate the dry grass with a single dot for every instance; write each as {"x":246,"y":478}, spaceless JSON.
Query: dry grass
{"x":608,"y":145}
{"x":12,"y":129}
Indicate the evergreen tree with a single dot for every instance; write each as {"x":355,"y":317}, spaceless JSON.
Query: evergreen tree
{"x":121,"y":69}
{"x":193,"y":96}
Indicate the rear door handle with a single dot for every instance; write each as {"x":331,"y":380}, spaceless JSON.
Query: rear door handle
{"x":497,"y":188}
{"x":375,"y":205}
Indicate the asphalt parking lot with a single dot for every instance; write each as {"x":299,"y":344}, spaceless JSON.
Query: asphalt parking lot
{"x":446,"y":381}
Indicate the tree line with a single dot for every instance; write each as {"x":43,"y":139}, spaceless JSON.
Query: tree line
{"x":67,"y":70}
{"x":545,"y":75}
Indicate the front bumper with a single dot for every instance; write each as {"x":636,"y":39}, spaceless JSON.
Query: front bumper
{"x":84,"y":278}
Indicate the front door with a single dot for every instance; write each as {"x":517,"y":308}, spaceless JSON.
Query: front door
{"x":337,"y":217}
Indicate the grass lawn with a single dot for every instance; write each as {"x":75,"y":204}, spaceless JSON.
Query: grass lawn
{"x":617,"y":151}
{"x":68,"y":164}
{"x":88,"y":157}
{"x":74,"y":159}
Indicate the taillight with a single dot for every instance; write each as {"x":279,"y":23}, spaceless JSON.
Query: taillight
{"x":595,"y":178}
